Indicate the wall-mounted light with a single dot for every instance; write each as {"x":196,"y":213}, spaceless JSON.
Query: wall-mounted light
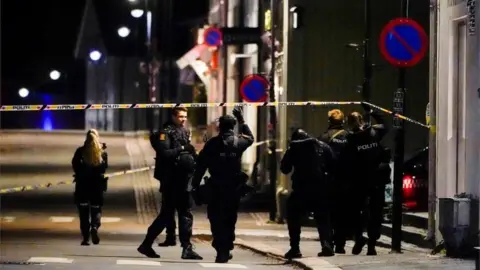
{"x":296,"y":17}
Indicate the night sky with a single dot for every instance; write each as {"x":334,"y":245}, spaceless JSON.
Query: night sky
{"x":40,"y":35}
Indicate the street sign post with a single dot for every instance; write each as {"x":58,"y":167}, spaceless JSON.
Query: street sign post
{"x":254,"y":88}
{"x":241,"y":35}
{"x":213,"y":37}
{"x":403,"y":42}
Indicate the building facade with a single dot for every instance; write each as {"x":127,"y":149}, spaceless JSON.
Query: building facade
{"x":458,"y":99}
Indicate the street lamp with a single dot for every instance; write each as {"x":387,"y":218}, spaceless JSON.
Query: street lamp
{"x":95,"y":55}
{"x":55,"y":75}
{"x":136,"y":13}
{"x":123,"y":32}
{"x":132,"y":1}
{"x":23,"y":92}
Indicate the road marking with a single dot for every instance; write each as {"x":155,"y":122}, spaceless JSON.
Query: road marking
{"x":110,"y":219}
{"x":62,"y":219}
{"x":49,"y":260}
{"x":223,"y":265}
{"x":8,"y":219}
{"x":138,"y":262}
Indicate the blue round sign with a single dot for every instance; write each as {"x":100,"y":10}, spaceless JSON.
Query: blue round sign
{"x":213,"y":37}
{"x":403,"y":42}
{"x":254,"y":88}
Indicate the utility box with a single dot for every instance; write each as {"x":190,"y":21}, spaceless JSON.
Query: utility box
{"x":455,"y":224}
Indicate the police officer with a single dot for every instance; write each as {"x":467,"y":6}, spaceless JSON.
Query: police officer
{"x":89,"y":163}
{"x":312,"y":163}
{"x":170,"y":239}
{"x":176,"y":161}
{"x":362,"y":158}
{"x":376,"y":200}
{"x":222,"y":157}
{"x":336,"y":138}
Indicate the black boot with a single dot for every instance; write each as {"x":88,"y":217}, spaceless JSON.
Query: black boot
{"x":327,"y":250}
{"x":86,"y":238}
{"x":223,"y":256}
{"x":95,"y":238}
{"x":170,"y":241}
{"x":147,"y":251}
{"x":359,"y":244}
{"x":293,"y":253}
{"x":189,"y":254}
{"x":371,"y":251}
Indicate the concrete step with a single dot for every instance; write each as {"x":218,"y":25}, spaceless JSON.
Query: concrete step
{"x":415,"y":219}
{"x":412,"y":235}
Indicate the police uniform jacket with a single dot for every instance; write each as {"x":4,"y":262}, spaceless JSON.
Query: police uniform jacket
{"x":89,"y":179}
{"x":170,"y":155}
{"x":311,"y":161}
{"x":363,"y":152}
{"x":222,"y":156}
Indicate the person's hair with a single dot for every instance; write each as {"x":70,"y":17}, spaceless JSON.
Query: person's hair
{"x":336,"y":117}
{"x":355,"y":120}
{"x":178,"y":109}
{"x":92,"y":149}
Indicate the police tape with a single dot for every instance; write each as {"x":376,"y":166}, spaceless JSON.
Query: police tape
{"x":48,"y":185}
{"x":70,"y":107}
{"x":69,"y":182}
{"x":397,"y":115}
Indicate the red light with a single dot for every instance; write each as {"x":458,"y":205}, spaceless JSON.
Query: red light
{"x":408,"y":186}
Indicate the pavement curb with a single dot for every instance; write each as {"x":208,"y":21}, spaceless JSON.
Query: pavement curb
{"x":274,"y":253}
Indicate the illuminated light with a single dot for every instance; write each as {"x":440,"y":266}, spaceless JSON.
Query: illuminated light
{"x":47,"y":116}
{"x":55,"y":75}
{"x":408,"y":186}
{"x":47,"y":123}
{"x":23,"y":92}
{"x":95,"y":55}
{"x":136,"y":13}
{"x":123,"y":32}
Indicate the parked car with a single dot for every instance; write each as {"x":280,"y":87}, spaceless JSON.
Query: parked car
{"x":415,"y":182}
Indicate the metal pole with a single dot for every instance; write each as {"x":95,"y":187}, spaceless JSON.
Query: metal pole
{"x":367,"y":55}
{"x":432,"y":147}
{"x":273,"y":119}
{"x":399,"y":107}
{"x":225,"y":55}
{"x":148,"y":43}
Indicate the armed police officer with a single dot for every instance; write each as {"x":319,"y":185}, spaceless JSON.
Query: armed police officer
{"x":362,"y":157}
{"x":312,"y":163}
{"x":336,"y":138}
{"x":175,"y":162}
{"x":222,"y":157}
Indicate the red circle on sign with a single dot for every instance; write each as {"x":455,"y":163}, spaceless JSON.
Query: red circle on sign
{"x":248,"y":79}
{"x":416,"y":57}
{"x":217,"y":42}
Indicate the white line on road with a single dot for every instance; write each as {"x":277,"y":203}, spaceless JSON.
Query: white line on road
{"x":62,"y":219}
{"x":8,"y":219}
{"x":110,"y":219}
{"x":138,"y":262}
{"x":49,"y":260}
{"x":223,"y":265}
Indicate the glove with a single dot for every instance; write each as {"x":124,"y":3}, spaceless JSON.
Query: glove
{"x":238,"y":113}
{"x":190,"y":148}
{"x":366,"y":107}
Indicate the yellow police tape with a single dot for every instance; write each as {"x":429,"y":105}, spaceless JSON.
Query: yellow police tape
{"x":70,"y":107}
{"x":47,"y":185}
{"x":110,"y":175}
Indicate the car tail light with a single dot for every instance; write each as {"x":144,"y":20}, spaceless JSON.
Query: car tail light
{"x":408,"y":187}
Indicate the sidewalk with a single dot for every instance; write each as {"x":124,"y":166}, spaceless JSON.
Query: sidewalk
{"x":412,"y":258}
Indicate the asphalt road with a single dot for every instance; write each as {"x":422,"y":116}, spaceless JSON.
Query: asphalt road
{"x":39,"y":229}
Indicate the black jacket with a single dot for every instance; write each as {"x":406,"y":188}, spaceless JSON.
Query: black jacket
{"x":89,"y":178}
{"x":363,"y":153}
{"x":312,"y":163}
{"x":222,"y":158}
{"x":167,"y":144}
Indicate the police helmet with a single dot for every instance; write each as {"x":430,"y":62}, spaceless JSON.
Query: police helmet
{"x":186,"y":163}
{"x":226,"y":122}
{"x":299,"y":134}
